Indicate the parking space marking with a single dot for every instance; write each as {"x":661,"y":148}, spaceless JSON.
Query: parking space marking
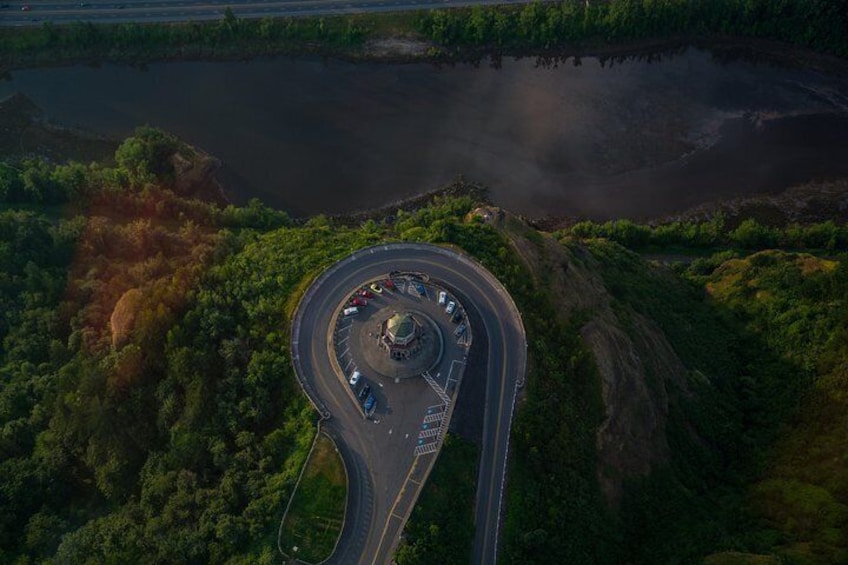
{"x":426,"y":448}
{"x":450,"y":372}
{"x":430,"y":418}
{"x":349,"y":361}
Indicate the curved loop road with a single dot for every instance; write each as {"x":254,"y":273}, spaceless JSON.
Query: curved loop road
{"x":372,"y":491}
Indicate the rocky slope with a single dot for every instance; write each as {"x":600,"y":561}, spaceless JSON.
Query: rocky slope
{"x":637,"y":366}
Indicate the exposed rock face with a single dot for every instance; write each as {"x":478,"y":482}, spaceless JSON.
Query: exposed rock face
{"x":636,"y":364}
{"x":123,"y":316}
{"x":636,"y":369}
{"x":194,"y":176}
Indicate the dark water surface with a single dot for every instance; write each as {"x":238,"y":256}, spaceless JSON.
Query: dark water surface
{"x":633,"y":140}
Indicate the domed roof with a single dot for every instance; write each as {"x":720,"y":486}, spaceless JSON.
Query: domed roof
{"x":400,"y":326}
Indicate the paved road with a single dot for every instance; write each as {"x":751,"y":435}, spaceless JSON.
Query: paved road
{"x":145,"y":11}
{"x":369,"y":505}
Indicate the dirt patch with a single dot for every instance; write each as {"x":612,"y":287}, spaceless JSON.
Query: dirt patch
{"x":397,"y":47}
{"x":123,"y":316}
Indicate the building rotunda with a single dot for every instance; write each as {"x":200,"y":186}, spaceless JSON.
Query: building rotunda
{"x":400,"y":336}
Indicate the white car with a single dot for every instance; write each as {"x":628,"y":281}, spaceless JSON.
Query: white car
{"x":354,"y":378}
{"x":351,"y":311}
{"x":451,"y":307}
{"x":443,"y":296}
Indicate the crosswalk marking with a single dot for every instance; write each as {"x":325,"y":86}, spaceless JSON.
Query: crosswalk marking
{"x":440,"y":392}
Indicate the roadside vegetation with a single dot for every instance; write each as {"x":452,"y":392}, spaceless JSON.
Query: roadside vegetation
{"x":316,"y":515}
{"x":441,"y":527}
{"x":566,"y":27}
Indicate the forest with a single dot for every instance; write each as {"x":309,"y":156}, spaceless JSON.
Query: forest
{"x":818,"y":24}
{"x":149,"y":412}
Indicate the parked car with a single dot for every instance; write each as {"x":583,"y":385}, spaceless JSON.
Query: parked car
{"x":420,"y":288}
{"x":353,"y":310}
{"x":354,"y":378}
{"x":358,"y":301}
{"x":457,"y":316}
{"x":389,"y":284}
{"x":460,"y":329}
{"x":366,"y":293}
{"x":443,"y":296}
{"x":451,"y":307}
{"x":370,"y":404}
{"x":366,"y":390}
{"x":376,"y":288}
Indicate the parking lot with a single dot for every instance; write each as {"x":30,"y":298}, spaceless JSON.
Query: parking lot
{"x":426,"y":390}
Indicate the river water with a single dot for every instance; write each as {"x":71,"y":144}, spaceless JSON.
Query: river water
{"x":635,"y":139}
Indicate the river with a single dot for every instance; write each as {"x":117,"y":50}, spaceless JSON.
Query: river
{"x":635,"y":139}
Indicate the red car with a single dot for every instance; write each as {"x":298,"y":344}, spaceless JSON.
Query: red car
{"x":366,"y":293}
{"x":389,"y":284}
{"x":357,"y":301}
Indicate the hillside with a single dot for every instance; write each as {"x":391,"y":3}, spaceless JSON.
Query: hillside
{"x":672,"y":415}
{"x":149,"y":412}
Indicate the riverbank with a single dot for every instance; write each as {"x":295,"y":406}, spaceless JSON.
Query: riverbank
{"x":813,"y":32}
{"x":25,"y":132}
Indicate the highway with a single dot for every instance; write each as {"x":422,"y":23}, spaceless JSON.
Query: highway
{"x":36,"y":12}
{"x":373,"y":472}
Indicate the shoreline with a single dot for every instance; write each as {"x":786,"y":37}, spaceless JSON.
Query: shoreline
{"x":410,"y":48}
{"x":400,"y":49}
{"x":457,"y":188}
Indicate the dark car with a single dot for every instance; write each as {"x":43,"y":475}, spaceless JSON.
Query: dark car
{"x":457,"y":316}
{"x":370,"y":404}
{"x":366,"y":390}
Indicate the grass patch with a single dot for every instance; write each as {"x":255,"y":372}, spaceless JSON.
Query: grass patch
{"x":315,"y":518}
{"x":441,"y":529}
